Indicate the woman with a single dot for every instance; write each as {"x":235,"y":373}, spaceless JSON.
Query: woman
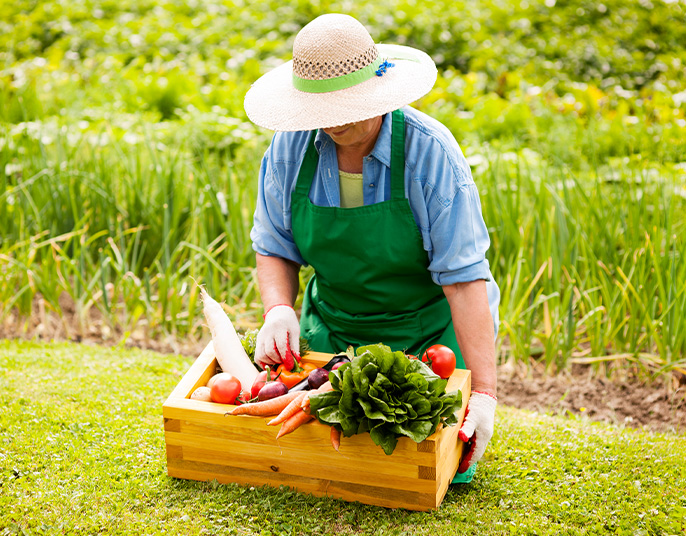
{"x":379,"y":199}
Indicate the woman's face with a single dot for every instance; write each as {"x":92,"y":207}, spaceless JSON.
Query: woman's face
{"x":360,"y":133}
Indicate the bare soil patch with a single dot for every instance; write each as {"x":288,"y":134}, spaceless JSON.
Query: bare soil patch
{"x":657,"y":406}
{"x":626,"y":400}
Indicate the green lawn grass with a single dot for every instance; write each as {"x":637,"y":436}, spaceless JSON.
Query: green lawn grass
{"x":82,"y":452}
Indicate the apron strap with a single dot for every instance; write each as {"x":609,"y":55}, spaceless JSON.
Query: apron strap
{"x":398,"y":155}
{"x":308,"y":168}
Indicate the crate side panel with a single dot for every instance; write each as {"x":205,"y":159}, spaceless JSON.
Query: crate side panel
{"x":313,"y":466}
{"x":297,"y":451}
{"x":365,"y":494}
{"x":450,"y":447}
{"x":194,"y":415}
{"x":311,"y":437}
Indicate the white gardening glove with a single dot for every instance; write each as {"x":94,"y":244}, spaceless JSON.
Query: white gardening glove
{"x":477,"y":428}
{"x":279,"y":338}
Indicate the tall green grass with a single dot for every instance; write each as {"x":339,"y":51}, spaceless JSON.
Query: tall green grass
{"x":589,"y":262}
{"x":127,"y":228}
{"x":591,"y":268}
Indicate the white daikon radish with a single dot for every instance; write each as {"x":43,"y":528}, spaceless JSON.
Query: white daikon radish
{"x":230,"y":353}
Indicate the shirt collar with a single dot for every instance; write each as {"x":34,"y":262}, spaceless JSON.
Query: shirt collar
{"x":382,"y":147}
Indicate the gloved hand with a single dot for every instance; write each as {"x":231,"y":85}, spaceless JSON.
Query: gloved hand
{"x":477,"y":428}
{"x":278,"y":341}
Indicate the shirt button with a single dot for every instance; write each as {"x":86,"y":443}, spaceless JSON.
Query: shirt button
{"x":368,"y":158}
{"x":371,"y":185}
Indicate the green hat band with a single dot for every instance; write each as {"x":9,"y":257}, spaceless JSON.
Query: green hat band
{"x":376,"y":68}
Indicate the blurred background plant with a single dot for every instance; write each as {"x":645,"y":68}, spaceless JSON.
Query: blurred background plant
{"x":128,"y":167}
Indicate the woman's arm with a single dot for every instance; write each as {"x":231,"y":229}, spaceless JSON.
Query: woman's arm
{"x":474,"y":331}
{"x":278,"y":280}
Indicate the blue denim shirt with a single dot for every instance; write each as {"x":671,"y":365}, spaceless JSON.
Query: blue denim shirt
{"x":438,"y":184}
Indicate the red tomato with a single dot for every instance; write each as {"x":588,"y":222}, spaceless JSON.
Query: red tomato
{"x":243,"y":398}
{"x":260,"y":381}
{"x":441,"y":359}
{"x":225,"y":388}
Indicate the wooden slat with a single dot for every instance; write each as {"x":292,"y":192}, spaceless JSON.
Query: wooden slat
{"x":450,"y":447}
{"x":316,"y":467}
{"x":301,"y":449}
{"x":174,"y":452}
{"x":312,"y":438}
{"x":210,"y":414}
{"x":201,"y":371}
{"x":317,"y":358}
{"x":367,"y":494}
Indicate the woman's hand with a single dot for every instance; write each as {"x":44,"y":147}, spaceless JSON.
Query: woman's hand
{"x":477,"y":428}
{"x":279,"y":339}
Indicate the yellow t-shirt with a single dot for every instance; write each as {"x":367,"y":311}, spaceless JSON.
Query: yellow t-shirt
{"x":351,"y":189}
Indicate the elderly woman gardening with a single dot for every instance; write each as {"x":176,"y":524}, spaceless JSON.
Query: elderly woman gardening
{"x":378,"y":198}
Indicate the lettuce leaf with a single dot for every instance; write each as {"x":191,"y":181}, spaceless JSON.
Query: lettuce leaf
{"x":387,"y":395}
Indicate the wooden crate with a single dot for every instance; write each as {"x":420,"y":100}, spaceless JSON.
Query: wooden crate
{"x":205,"y":443}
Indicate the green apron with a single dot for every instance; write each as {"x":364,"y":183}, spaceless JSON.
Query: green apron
{"x":371,"y":283}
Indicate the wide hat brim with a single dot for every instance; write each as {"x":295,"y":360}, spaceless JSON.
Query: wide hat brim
{"x":272,"y":101}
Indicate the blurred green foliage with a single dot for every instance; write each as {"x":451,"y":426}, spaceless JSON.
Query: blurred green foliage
{"x":165,"y":55}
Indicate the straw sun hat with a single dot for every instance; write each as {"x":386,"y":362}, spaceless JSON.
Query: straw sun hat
{"x":338,"y":76}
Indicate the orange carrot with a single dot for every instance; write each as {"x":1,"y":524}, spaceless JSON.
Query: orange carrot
{"x":293,"y":423}
{"x":290,"y":410}
{"x":268,"y":407}
{"x":335,"y":438}
{"x":326,"y":386}
{"x":305,"y":402}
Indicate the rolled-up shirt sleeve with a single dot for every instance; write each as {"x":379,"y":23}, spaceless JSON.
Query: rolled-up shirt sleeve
{"x":271,"y":233}
{"x":459,"y":239}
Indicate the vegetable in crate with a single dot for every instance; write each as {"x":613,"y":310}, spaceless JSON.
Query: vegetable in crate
{"x":202,"y":393}
{"x":388,"y":395}
{"x":272,"y":390}
{"x":317,"y":378}
{"x":262,"y":380}
{"x":441,"y":359}
{"x":228,"y":348}
{"x":293,"y":377}
{"x":225,"y":388}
